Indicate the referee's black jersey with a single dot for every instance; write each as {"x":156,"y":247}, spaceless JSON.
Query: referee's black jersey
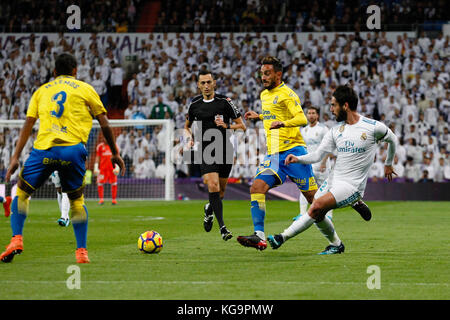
{"x":206,"y":112}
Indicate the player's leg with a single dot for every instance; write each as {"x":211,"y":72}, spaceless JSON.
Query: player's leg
{"x":111,"y":178}
{"x":303,"y":204}
{"x":363,"y":209}
{"x":316,"y":214}
{"x":211,"y":179}
{"x":223,"y":180}
{"x":264,"y":180}
{"x":72,"y":183}
{"x":65,"y":208}
{"x":17,"y":220}
{"x":320,"y":179}
{"x":6,"y":202}
{"x":63,"y":200}
{"x":79,"y":217}
{"x":114,"y":191}
{"x":34,"y":173}
{"x":101,"y":188}
{"x":322,"y":202}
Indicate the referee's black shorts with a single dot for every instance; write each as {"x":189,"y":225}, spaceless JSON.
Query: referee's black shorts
{"x":222,"y":169}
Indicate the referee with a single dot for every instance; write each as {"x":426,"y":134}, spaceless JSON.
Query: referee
{"x":213,"y":113}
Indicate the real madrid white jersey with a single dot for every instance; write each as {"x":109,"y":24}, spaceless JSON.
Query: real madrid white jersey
{"x":356,"y":146}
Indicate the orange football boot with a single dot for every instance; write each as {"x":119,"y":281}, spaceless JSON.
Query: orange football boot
{"x":82,"y":255}
{"x":14,"y":247}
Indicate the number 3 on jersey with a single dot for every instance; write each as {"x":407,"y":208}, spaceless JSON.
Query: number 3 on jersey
{"x":59,"y":98}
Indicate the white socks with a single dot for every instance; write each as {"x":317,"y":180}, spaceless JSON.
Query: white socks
{"x":303,"y":204}
{"x":327,"y":229}
{"x":298,"y":226}
{"x":261,"y":235}
{"x":64,"y":204}
{"x":305,"y":221}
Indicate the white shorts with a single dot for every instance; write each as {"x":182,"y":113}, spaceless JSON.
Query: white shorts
{"x":343,"y":192}
{"x":55,"y":179}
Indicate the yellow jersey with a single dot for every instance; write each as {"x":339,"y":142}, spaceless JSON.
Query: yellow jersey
{"x":65,"y":108}
{"x":282,"y":104}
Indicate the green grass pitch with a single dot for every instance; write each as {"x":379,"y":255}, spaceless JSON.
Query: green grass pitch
{"x":408,"y":241}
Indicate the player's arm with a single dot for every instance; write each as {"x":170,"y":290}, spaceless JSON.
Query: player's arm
{"x":235,"y":115}
{"x":109,"y":137}
{"x":25,"y":133}
{"x":238,"y":124}
{"x":252,"y":115}
{"x":383,"y":133}
{"x":309,"y":158}
{"x":299,"y":118}
{"x":96,"y":170}
{"x":323,"y":163}
{"x":188,"y":133}
{"x":325,"y":148}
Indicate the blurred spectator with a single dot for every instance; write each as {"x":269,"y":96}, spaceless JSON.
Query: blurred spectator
{"x":117,"y":75}
{"x":161,"y":110}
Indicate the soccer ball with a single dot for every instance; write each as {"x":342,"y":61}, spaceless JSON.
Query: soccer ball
{"x":150,"y":242}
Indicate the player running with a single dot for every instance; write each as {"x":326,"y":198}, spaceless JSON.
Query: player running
{"x":63,"y":201}
{"x":65,"y":107}
{"x":281,"y":115}
{"x":355,"y":139}
{"x":105,"y":172}
{"x":213,"y":113}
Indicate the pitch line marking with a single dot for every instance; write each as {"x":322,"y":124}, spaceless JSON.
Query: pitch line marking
{"x":226,"y":282}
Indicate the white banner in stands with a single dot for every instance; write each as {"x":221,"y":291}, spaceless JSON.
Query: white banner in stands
{"x":131,"y":43}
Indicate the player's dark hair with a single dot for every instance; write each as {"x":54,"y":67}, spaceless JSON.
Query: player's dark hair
{"x":276,"y":63}
{"x":204,"y":72}
{"x":344,"y":94}
{"x":64,"y":64}
{"x":315,"y":108}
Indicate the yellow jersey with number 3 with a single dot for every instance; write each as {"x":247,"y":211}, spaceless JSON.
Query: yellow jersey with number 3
{"x":282,"y":104}
{"x":65,"y":108}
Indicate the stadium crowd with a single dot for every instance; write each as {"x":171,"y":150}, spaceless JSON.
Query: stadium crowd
{"x":290,"y":15}
{"x":51,"y":15}
{"x":405,"y":83}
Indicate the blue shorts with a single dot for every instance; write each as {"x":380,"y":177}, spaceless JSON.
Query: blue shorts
{"x":274,"y":172}
{"x":68,"y":161}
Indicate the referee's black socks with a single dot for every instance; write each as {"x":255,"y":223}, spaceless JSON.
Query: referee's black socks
{"x":216,"y":204}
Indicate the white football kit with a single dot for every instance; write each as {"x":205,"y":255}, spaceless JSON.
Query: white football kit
{"x":356,"y":146}
{"x":313,"y":137}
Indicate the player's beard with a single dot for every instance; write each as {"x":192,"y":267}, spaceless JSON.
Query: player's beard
{"x":270,"y":86}
{"x":341,"y":116}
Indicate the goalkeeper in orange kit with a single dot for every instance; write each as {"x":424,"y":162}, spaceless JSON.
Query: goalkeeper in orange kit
{"x":105,"y":172}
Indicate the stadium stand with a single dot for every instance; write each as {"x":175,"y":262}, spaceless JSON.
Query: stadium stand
{"x":404,"y":82}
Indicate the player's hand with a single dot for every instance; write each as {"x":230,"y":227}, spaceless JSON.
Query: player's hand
{"x":290,"y":159}
{"x":323,"y":167}
{"x":189,"y":142}
{"x":219,"y":122}
{"x":13,"y":165}
{"x":252,"y":115}
{"x":388,"y":172}
{"x":276,"y":125}
{"x":117,"y":159}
